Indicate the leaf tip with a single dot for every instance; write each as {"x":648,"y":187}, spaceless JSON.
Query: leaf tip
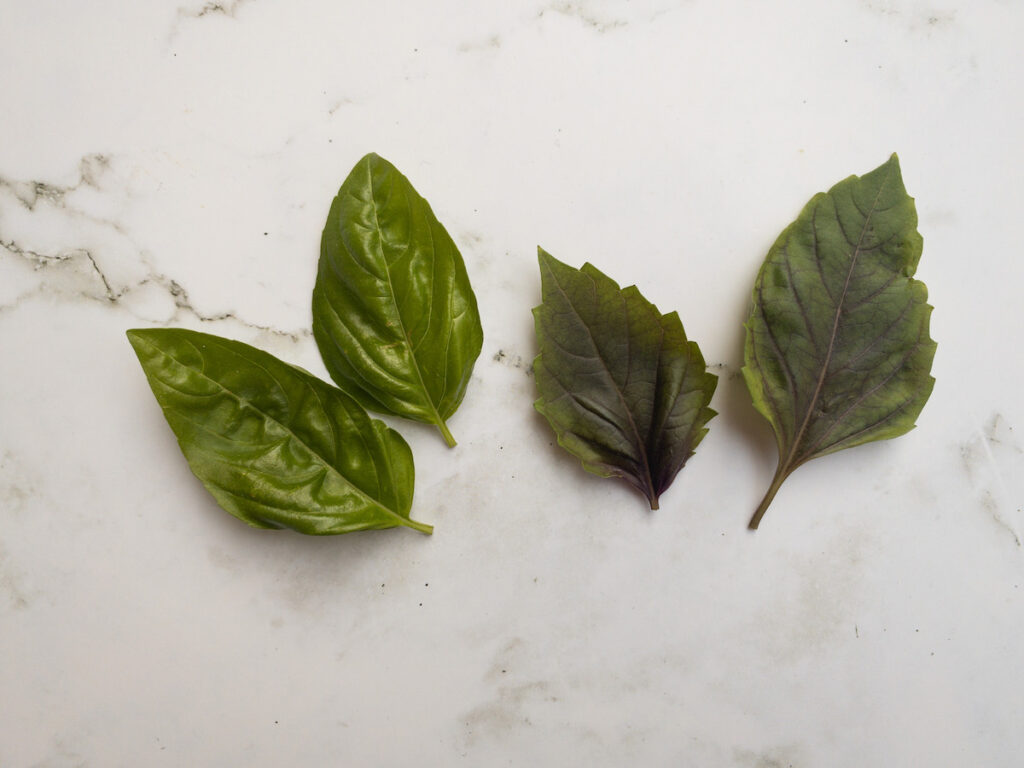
{"x":545,"y":259}
{"x":135,"y":337}
{"x":893,"y":166}
{"x":371,"y":163}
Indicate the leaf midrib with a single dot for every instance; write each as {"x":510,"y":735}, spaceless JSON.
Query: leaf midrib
{"x":790,"y":462}
{"x":245,"y":402}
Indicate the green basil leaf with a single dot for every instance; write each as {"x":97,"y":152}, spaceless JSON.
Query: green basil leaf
{"x":623,"y":389}
{"x":837,"y":350}
{"x":277,"y":447}
{"x":394,"y":314}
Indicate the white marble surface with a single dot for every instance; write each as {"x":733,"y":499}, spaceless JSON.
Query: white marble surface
{"x":171,"y":163}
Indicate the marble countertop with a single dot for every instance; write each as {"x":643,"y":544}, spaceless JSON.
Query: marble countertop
{"x":172,"y":163}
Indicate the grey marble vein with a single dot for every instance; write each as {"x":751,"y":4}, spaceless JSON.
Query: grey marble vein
{"x":212,"y":8}
{"x":76,"y":273}
{"x":31,"y":193}
{"x":989,"y":457}
{"x":584,"y":13}
{"x":599,"y":18}
{"x":219,"y":7}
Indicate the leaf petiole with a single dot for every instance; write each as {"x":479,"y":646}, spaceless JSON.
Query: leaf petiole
{"x":418,"y":526}
{"x":445,"y":433}
{"x":777,"y":481}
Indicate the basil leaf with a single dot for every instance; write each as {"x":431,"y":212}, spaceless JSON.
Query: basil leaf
{"x":837,"y":349}
{"x":277,"y":447}
{"x":623,"y":389}
{"x":394,"y":314}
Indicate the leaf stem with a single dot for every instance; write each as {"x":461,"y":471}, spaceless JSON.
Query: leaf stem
{"x":780,"y":476}
{"x":445,"y":433}
{"x":418,"y":526}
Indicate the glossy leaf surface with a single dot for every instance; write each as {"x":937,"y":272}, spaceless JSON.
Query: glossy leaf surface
{"x":624,"y":390}
{"x":837,"y":349}
{"x":277,"y":447}
{"x":394,"y":314}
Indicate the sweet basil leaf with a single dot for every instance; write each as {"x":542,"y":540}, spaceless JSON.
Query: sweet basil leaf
{"x":837,"y":348}
{"x":623,"y":389}
{"x":277,"y":447}
{"x":394,"y":314}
